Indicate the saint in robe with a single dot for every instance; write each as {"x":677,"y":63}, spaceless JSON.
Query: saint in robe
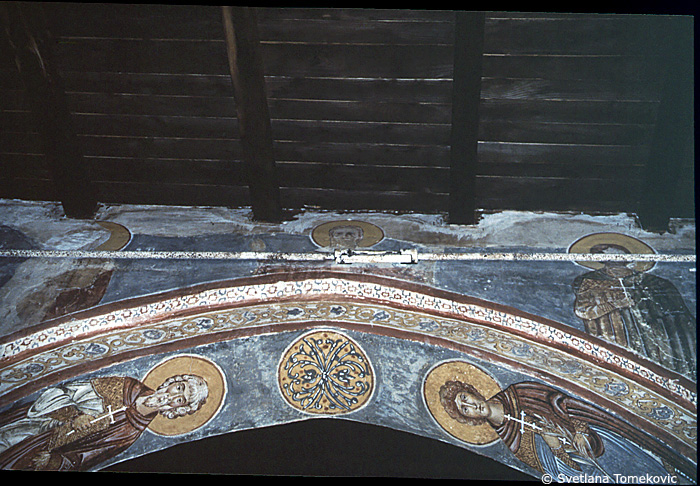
{"x":79,"y":425}
{"x":639,"y":311}
{"x":557,"y":434}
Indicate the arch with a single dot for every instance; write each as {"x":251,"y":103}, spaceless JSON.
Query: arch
{"x":613,"y":379}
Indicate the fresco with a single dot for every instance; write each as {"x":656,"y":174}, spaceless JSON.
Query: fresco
{"x":556,"y":434}
{"x":325,"y":372}
{"x":621,"y":302}
{"x":585,"y":369}
{"x":215,"y":312}
{"x":347,"y":234}
{"x":67,"y":285}
{"x":80,"y":424}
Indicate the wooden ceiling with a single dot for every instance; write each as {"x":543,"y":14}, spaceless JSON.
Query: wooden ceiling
{"x":366,"y":109}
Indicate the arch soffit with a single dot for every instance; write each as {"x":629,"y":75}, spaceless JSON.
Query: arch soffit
{"x":85,"y":341}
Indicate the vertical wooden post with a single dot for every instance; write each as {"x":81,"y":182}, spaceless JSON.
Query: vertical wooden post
{"x":247,"y":76}
{"x":25,"y":27}
{"x":673,"y":137}
{"x":466,"y":95}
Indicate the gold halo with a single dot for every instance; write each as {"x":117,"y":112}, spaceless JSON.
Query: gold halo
{"x":635,"y":246}
{"x":181,"y":365}
{"x":119,"y":236}
{"x":483,"y":434}
{"x":372,"y":234}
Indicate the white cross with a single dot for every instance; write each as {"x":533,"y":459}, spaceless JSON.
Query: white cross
{"x":522,"y":422}
{"x":109,"y":414}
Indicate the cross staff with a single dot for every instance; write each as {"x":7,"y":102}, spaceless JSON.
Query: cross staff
{"x":110,"y":413}
{"x":523,"y":422}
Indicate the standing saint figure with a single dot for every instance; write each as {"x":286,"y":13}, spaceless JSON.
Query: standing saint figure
{"x":621,"y":303}
{"x":79,"y":425}
{"x":558,"y":434}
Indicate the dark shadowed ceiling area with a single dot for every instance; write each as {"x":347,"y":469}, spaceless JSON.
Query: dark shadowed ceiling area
{"x":347,"y":109}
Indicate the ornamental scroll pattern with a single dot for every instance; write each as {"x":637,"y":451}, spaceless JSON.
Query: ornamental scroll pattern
{"x":326,"y":373}
{"x":323,"y":289}
{"x":625,"y":392}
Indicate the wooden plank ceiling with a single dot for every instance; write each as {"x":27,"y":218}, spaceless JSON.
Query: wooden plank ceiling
{"x":361,"y":109}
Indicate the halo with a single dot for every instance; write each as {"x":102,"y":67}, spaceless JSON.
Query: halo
{"x":635,"y":246}
{"x":119,"y":236}
{"x":483,"y":434}
{"x":372,"y":234}
{"x":194,"y":365}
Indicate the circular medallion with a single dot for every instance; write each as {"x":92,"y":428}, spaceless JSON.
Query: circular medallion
{"x":597,"y":242}
{"x":188,"y":365}
{"x":465,"y":373}
{"x":326,"y":373}
{"x":347,"y":234}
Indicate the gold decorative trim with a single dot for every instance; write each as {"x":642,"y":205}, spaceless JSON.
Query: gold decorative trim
{"x":325,"y":373}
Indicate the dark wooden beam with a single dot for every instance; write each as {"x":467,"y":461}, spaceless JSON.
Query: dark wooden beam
{"x":672,"y":143}
{"x":466,"y":93}
{"x":247,"y":76}
{"x":25,"y":30}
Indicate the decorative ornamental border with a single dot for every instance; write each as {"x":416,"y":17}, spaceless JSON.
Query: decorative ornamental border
{"x":326,"y":286}
{"x":550,"y":364}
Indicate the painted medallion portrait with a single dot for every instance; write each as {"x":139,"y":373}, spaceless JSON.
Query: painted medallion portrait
{"x":459,"y":372}
{"x":207,"y":374}
{"x":347,"y":235}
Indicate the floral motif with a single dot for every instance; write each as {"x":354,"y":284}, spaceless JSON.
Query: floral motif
{"x":522,"y":350}
{"x":152,"y":334}
{"x":616,"y":388}
{"x":325,"y":373}
{"x":337,"y":310}
{"x":661,"y":413}
{"x":428,"y":326}
{"x":58,"y":349}
{"x":133,"y":317}
{"x":96,"y":349}
{"x":33,"y":368}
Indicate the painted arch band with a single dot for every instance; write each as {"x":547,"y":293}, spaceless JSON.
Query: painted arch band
{"x":330,"y":286}
{"x":325,"y":371}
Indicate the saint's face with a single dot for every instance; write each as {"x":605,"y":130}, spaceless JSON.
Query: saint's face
{"x":178,"y":393}
{"x":173,"y":396}
{"x":345,"y":236}
{"x":472,"y":406}
{"x":615,"y":268}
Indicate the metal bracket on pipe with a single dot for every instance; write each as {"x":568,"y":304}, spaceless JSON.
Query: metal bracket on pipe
{"x":367,"y":256}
